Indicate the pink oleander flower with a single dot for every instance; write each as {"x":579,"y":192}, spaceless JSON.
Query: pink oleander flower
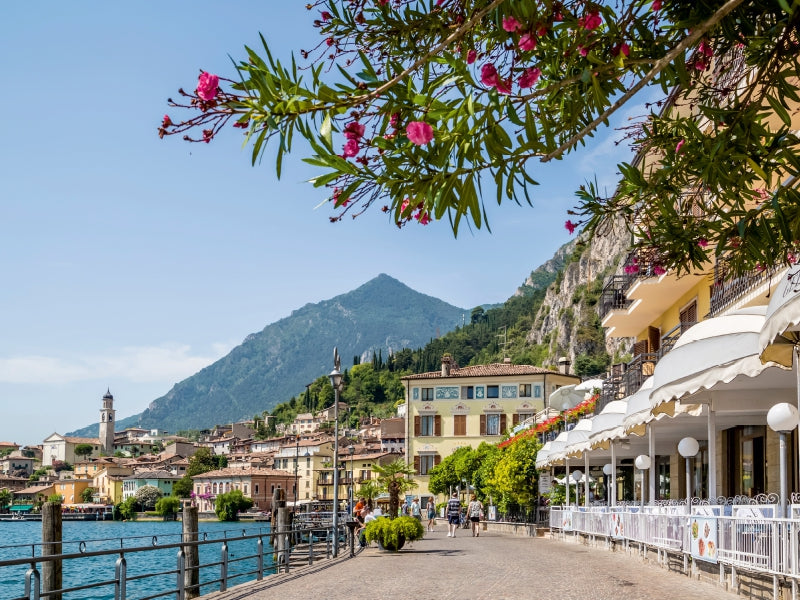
{"x":207,"y":86}
{"x":439,"y":2}
{"x":510,"y":24}
{"x":350,"y":148}
{"x":631,"y":269}
{"x":527,"y":42}
{"x":656,"y":5}
{"x":423,"y":217}
{"x":354,"y":130}
{"x":590,"y":20}
{"x":570,"y":226}
{"x":329,"y":41}
{"x":419,"y":133}
{"x":404,"y":205}
{"x":382,"y":2}
{"x":659,"y":270}
{"x":166,"y":122}
{"x":394,"y":120}
{"x":791,"y":257}
{"x":325,"y":15}
{"x":503,"y":86}
{"x":583,"y":51}
{"x":207,"y":135}
{"x":529,"y":78}
{"x":702,"y":242}
{"x":762,"y":193}
{"x":679,"y":145}
{"x":624,"y":49}
{"x":541,"y":31}
{"x":705,"y":49}
{"x":700,"y":65}
{"x":471,"y":56}
{"x":489,"y":75}
{"x":337,"y":192}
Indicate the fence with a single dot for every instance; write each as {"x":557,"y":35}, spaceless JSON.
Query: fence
{"x":749,"y":539}
{"x":227,"y":557}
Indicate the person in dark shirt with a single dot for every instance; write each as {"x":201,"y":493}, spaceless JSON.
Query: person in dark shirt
{"x":453,"y":515}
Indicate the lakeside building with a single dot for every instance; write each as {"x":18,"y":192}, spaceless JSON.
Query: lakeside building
{"x":163,"y":480}
{"x":57,"y":447}
{"x":457,"y":407}
{"x":257,"y":484}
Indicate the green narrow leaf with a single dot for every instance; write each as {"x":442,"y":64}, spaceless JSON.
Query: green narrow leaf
{"x":325,"y":130}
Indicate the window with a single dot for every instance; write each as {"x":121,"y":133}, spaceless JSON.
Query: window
{"x":493,"y":424}
{"x":524,"y":390}
{"x":492,"y":391}
{"x":427,"y":394}
{"x":520,"y":417}
{"x":467,"y":392}
{"x":255,"y":488}
{"x":423,"y":463}
{"x":426,"y":425}
{"x":460,"y":425}
{"x":537,"y":391}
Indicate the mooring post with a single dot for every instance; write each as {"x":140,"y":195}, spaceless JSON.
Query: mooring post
{"x":51,"y":546}
{"x":191,"y":578}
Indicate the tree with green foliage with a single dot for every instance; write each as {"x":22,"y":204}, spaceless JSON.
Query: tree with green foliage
{"x":128,"y":508}
{"x":421,"y":108}
{"x":228,"y":505}
{"x":6,"y":498}
{"x":83,"y":450}
{"x":55,"y":498}
{"x":446,"y":476}
{"x":394,"y":479}
{"x":38,"y":473}
{"x":147,"y":496}
{"x":515,"y":474}
{"x":87,"y":495}
{"x":183,"y":487}
{"x":168,"y":506}
{"x":369,"y":490}
{"x":202,"y":461}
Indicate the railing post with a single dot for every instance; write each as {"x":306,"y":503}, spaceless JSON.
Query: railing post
{"x":51,"y":545}
{"x":181,"y":575}
{"x":121,"y":578}
{"x":33,"y":582}
{"x":311,"y":546}
{"x":260,"y":547}
{"x":223,"y":568}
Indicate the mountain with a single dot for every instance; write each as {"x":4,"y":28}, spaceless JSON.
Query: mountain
{"x":276,"y":363}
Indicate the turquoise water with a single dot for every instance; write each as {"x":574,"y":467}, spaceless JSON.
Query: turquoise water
{"x":19,"y":539}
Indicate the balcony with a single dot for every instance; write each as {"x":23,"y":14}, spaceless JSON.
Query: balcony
{"x":727,"y":292}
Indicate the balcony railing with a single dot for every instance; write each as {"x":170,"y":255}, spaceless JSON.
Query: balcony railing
{"x":613,"y":295}
{"x":725,"y":290}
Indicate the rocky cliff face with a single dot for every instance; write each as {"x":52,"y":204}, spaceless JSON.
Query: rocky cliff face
{"x":568,"y":322}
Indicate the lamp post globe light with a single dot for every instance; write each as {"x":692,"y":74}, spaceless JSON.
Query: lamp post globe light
{"x":642,"y":463}
{"x":688,"y":448}
{"x":336,"y":382}
{"x":576,"y":476}
{"x":782,"y":418}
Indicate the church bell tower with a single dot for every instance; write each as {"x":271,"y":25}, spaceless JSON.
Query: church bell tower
{"x":107,"y":423}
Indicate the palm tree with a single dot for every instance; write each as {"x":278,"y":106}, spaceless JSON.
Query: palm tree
{"x":392,"y":478}
{"x":369,"y":490}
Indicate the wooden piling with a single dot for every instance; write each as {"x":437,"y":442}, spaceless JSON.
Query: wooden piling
{"x":191,"y":578}
{"x":51,"y":545}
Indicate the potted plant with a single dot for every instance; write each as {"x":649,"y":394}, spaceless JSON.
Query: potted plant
{"x":392,"y":534}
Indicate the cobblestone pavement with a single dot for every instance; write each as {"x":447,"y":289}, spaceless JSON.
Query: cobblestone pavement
{"x":491,"y":567}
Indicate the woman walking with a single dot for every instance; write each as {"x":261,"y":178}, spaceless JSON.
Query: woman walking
{"x":475,"y":512}
{"x":431,"y":510}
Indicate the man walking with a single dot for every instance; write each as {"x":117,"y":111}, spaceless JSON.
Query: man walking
{"x":453,"y":515}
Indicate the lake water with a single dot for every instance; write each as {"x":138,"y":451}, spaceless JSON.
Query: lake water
{"x":19,"y":539}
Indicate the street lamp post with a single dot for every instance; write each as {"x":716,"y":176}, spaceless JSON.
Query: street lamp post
{"x":608,"y":469}
{"x":351,"y":450}
{"x":782,"y":418}
{"x":336,"y":382}
{"x":688,"y":448}
{"x":576,"y":477}
{"x":296,"y":463}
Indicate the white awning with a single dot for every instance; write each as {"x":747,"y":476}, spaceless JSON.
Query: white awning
{"x":714,"y":351}
{"x":606,"y":424}
{"x":781,"y":329}
{"x":577,"y":440}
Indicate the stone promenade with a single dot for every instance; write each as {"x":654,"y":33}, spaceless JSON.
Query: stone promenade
{"x":493,"y":566}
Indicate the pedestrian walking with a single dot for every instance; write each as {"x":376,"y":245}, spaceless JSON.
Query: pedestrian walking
{"x":453,"y":514}
{"x":475,"y":512}
{"x":431,"y":509}
{"x":416,"y":511}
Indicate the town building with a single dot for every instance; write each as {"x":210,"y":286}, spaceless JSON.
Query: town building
{"x":57,"y":447}
{"x":15,"y":463}
{"x":163,"y":480}
{"x":457,"y":407}
{"x":257,"y":484}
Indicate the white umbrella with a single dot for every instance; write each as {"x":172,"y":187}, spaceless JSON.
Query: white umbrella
{"x":565,"y":397}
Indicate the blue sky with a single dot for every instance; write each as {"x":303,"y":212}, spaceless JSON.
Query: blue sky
{"x":129,"y":263}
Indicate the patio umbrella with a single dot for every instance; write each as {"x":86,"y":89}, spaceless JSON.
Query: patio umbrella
{"x":565,"y":397}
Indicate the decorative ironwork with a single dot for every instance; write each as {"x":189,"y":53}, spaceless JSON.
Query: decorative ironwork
{"x":613,"y":295}
{"x":725,"y":291}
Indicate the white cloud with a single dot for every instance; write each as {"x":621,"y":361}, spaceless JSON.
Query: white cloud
{"x":164,"y":363}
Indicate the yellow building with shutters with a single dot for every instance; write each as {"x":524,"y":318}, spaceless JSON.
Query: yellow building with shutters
{"x":456,"y":407}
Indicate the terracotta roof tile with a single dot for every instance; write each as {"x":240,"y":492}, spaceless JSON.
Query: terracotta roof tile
{"x":239,"y":471}
{"x":490,"y":370}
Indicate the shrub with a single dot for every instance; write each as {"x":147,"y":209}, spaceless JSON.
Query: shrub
{"x":393,"y":533}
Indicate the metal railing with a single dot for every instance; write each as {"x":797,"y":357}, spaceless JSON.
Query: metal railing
{"x":725,"y":291}
{"x":759,"y":544}
{"x":144,"y":568}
